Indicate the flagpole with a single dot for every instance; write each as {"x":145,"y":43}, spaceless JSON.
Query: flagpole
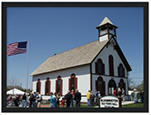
{"x":27,"y":56}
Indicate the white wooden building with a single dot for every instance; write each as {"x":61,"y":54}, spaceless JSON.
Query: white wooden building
{"x":99,"y":65}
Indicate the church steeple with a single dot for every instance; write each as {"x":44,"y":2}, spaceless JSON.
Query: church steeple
{"x":106,"y":30}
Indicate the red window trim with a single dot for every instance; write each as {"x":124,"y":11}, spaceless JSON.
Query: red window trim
{"x":99,"y":60}
{"x":120,"y":65}
{"x":38,"y":83}
{"x":59,"y":78}
{"x":49,"y":86}
{"x":75,"y":80}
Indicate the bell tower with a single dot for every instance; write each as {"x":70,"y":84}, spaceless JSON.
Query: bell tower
{"x":106,"y":30}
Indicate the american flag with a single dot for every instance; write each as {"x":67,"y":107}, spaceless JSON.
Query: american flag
{"x":16,"y":48}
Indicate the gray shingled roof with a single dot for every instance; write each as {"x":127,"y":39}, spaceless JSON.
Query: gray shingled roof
{"x":74,"y":57}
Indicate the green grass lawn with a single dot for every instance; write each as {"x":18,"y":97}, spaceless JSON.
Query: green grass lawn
{"x":85,"y":106}
{"x":135,"y":105}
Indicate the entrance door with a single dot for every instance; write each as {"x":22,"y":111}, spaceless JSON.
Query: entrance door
{"x":111,"y":87}
{"x":100,"y":85}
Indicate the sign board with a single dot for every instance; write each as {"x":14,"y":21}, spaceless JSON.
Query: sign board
{"x":109,"y":102}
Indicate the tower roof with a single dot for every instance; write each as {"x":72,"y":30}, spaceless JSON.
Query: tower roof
{"x":105,"y":20}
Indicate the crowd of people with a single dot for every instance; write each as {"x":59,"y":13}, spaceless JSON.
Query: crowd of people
{"x":31,"y":100}
{"x":93,"y":97}
{"x":71,"y":99}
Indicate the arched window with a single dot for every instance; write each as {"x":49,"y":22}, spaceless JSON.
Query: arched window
{"x":47,"y":87}
{"x":111,"y":87}
{"x":121,"y":70}
{"x":38,"y":86}
{"x":99,"y":67}
{"x":111,"y":66}
{"x":72,"y":82}
{"x":59,"y":85}
{"x":121,"y":85}
{"x":100,"y":85}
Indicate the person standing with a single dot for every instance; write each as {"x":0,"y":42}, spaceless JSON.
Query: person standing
{"x":119,"y":97}
{"x":39,"y":99}
{"x":142,"y":96}
{"x":63,"y":102}
{"x":31,"y":99}
{"x":77,"y":98}
{"x":72,"y":99}
{"x":92,"y":96}
{"x":98,"y":98}
{"x":16,"y":101}
{"x":11,"y":100}
{"x":88,"y":97}
{"x":52,"y":100}
{"x":24,"y":100}
{"x":57,"y":99}
{"x":119,"y":91}
{"x":35,"y":99}
{"x":95,"y":97}
{"x":135,"y":96}
{"x":68,"y":98}
{"x":115,"y":92}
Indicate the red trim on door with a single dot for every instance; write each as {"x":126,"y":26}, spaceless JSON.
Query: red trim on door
{"x":76,"y":82}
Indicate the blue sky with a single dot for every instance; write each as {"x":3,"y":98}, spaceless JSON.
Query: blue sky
{"x":51,"y":30}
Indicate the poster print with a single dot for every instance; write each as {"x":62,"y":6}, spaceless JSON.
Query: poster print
{"x":75,"y":57}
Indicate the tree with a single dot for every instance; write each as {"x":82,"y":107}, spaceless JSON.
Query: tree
{"x":130,"y":84}
{"x":140,"y":87}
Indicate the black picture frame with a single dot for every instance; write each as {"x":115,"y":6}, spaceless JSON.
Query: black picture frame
{"x":5,"y":5}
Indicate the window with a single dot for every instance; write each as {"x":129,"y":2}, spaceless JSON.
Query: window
{"x":38,"y":86}
{"x":112,"y":31}
{"x":111,"y":66}
{"x":121,"y":71}
{"x":99,"y":67}
{"x":47,"y":87}
{"x":72,"y":82}
{"x":59,"y":85}
{"x":103,"y":32}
